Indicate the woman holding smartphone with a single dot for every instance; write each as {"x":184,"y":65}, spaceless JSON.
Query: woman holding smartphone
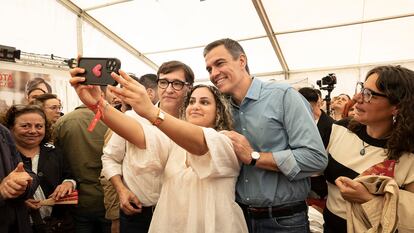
{"x":198,"y":164}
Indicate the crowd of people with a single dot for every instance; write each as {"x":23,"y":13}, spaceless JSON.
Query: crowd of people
{"x":160,"y":154}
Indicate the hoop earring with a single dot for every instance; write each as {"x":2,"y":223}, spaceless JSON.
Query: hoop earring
{"x":394,"y":119}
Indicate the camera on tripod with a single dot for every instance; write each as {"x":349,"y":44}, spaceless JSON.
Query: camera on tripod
{"x":329,"y":81}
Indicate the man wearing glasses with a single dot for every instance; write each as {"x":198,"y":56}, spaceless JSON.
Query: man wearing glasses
{"x":138,"y":190}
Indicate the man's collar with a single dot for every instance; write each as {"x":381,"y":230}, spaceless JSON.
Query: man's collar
{"x":254,"y":89}
{"x":81,"y":106}
{"x":252,"y":93}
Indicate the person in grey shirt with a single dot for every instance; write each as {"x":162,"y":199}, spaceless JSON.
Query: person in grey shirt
{"x":276,"y":140}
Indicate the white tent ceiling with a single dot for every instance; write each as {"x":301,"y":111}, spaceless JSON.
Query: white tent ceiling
{"x":280,"y":37}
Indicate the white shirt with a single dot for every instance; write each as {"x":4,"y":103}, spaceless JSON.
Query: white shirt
{"x":119,"y":156}
{"x":198,"y":192}
{"x":39,"y":195}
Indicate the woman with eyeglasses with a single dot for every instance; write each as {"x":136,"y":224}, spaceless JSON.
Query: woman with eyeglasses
{"x":370,"y":172}
{"x":30,"y":130}
{"x":51,"y":105}
{"x":197,"y":163}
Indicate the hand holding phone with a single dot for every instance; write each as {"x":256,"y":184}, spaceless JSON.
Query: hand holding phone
{"x":98,"y":70}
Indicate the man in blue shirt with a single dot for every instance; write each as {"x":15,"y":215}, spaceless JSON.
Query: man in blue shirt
{"x":276,"y":139}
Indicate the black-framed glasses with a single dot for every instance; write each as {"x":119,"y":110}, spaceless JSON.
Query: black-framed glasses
{"x":58,"y":108}
{"x":366,"y":93}
{"x":176,"y":84}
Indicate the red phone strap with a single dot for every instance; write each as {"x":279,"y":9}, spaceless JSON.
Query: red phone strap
{"x":98,"y":114}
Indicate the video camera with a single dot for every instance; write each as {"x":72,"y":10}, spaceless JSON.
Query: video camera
{"x":329,"y":80}
{"x":327,"y":83}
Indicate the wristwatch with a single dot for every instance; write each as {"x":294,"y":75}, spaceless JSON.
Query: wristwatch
{"x":255,"y":156}
{"x":160,"y":118}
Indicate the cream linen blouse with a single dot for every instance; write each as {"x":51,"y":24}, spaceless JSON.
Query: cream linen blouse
{"x":198,"y":192}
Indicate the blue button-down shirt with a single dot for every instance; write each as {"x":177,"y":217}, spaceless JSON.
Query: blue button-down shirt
{"x":274,"y":118}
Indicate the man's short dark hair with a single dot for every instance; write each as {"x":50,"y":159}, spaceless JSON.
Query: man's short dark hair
{"x":149,"y":81}
{"x":310,"y":94}
{"x":133,"y":77}
{"x":232,"y":46}
{"x":171,"y":66}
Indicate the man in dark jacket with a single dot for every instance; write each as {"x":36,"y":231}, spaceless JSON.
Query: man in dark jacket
{"x":319,"y":188}
{"x":323,"y":121}
{"x":17,"y":184}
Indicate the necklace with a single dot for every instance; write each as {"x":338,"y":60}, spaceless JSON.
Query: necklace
{"x":362,"y":151}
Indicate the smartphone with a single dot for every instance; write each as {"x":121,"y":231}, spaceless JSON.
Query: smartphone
{"x":98,"y":70}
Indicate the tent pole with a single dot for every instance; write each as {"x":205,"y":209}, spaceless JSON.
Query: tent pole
{"x":111,"y":35}
{"x":271,"y":35}
{"x":79,"y":36}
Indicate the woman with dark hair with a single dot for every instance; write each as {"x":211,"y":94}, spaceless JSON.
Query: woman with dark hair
{"x":373,"y":151}
{"x":16,"y":184}
{"x":223,"y":119}
{"x":198,"y":163}
{"x":30,"y":130}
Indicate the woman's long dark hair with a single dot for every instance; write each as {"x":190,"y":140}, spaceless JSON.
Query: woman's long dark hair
{"x":398,"y":84}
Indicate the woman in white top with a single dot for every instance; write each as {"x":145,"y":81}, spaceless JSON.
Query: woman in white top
{"x":199,"y":165}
